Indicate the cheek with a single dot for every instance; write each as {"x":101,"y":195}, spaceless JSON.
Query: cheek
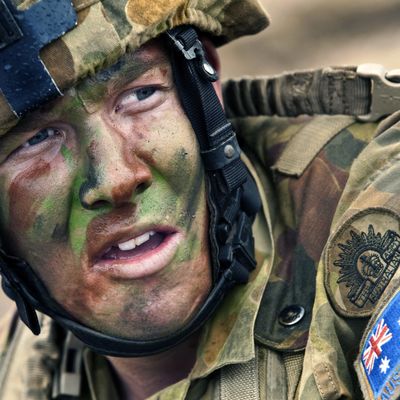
{"x":91,"y":295}
{"x":35,"y":200}
{"x":176,"y":152}
{"x":164,"y":137}
{"x":165,"y":140}
{"x":23,"y":193}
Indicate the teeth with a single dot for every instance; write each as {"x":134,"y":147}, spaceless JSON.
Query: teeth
{"x":132,"y":243}
{"x":142,"y":238}
{"x":129,"y":245}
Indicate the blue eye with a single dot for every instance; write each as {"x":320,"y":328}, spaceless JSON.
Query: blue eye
{"x":144,"y":93}
{"x":40,"y":137}
{"x":141,"y":99}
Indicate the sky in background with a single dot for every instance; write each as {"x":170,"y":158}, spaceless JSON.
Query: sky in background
{"x":314,"y":33}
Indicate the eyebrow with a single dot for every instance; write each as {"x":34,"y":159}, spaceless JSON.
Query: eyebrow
{"x":112,"y":80}
{"x":135,"y":68}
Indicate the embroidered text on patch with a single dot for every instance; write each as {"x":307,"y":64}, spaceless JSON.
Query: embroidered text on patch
{"x":367,"y":263}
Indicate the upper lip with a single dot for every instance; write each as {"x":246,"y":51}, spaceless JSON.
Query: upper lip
{"x":108,"y":230}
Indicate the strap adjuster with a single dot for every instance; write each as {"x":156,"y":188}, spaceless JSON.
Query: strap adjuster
{"x":189,"y":54}
{"x":194,"y":52}
{"x":385,"y":92}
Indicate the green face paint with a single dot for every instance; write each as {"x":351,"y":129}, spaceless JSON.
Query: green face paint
{"x":67,"y":154}
{"x":79,"y":220}
{"x":103,"y":194}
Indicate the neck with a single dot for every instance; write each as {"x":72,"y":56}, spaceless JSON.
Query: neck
{"x":143,"y":376}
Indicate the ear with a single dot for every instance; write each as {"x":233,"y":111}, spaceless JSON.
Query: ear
{"x":213,"y":57}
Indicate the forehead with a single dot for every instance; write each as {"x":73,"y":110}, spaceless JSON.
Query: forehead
{"x":91,"y":91}
{"x":135,"y":64}
{"x":130,"y":67}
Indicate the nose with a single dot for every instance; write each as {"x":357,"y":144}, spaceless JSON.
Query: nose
{"x":115,"y":176}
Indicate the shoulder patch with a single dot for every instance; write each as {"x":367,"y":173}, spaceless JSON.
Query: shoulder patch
{"x":378,"y":365}
{"x":361,"y":259}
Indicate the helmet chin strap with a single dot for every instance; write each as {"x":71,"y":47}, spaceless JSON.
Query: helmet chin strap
{"x":233,"y":202}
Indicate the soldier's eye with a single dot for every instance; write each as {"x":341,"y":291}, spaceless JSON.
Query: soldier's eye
{"x":138,"y":95}
{"x":43,"y":141}
{"x":144,"y":93}
{"x":41,"y":136}
{"x":140,"y":99}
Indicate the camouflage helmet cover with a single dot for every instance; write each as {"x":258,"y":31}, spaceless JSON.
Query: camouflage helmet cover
{"x":107,"y":29}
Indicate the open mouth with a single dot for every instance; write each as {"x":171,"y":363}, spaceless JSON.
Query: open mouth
{"x":140,"y":256}
{"x":135,"y":247}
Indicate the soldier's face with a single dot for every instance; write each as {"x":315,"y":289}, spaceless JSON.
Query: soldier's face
{"x":103,"y":194}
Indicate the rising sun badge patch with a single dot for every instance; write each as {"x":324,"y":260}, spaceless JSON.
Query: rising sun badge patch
{"x":378,"y":365}
{"x":361,"y":259}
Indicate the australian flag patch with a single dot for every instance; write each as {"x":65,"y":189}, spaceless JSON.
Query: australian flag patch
{"x":379,"y":361}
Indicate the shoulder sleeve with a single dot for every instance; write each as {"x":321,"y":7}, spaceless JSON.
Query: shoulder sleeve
{"x":358,"y":280}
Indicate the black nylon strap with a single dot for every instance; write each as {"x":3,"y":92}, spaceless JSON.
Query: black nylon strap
{"x":36,"y":296}
{"x":200,"y":103}
{"x":205,"y":112}
{"x":231,"y":185}
{"x":23,"y":286}
{"x":216,"y":158}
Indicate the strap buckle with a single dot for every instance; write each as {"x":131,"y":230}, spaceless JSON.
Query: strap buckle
{"x":385,"y":91}
{"x":196,"y":51}
{"x":236,"y":253}
{"x":189,"y":54}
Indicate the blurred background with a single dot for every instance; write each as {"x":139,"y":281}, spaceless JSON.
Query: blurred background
{"x":311,"y":34}
{"x":314,"y":33}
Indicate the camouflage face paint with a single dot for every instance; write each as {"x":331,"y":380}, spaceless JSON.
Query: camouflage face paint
{"x":79,"y":186}
{"x":91,"y":93}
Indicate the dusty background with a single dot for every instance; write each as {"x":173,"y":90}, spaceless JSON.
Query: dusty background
{"x":313,"y":33}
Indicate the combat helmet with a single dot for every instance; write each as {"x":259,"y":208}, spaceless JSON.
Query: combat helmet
{"x":48,"y":46}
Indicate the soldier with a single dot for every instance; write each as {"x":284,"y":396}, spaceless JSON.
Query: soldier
{"x":156,"y":259}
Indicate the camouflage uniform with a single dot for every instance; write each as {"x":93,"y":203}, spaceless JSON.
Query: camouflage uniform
{"x":323,"y":279}
{"x":308,"y":360}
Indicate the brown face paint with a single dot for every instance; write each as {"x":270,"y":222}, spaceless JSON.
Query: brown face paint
{"x":24,"y":218}
{"x":140,"y":168}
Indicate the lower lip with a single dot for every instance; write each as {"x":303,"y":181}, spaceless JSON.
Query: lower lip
{"x":143,"y":265}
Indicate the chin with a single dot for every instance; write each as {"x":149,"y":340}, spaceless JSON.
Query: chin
{"x":137,"y":329}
